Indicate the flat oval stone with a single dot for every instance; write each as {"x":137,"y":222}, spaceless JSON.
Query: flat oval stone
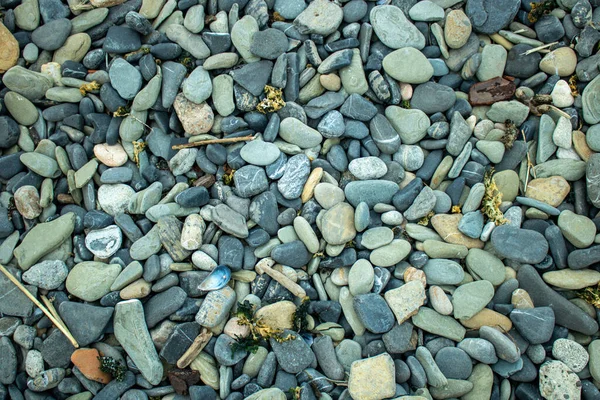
{"x":337,"y":225}
{"x":370,"y":191}
{"x":408,"y":65}
{"x":393,"y":28}
{"x":521,"y":245}
{"x":260,"y":153}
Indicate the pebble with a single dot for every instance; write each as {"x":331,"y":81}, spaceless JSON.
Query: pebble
{"x":557,"y":379}
{"x":375,"y":132}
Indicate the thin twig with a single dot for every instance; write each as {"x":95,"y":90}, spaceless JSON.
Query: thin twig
{"x":61,"y":327}
{"x":529,"y":164}
{"x":213,"y":141}
{"x":195,"y":348}
{"x":52,"y":309}
{"x":528,"y":52}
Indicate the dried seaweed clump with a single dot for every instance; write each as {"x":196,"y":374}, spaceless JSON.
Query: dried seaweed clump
{"x":228,"y":175}
{"x":299,"y":318}
{"x":591,"y":295}
{"x":573,"y":85}
{"x":138,"y":147}
{"x":492,"y":199}
{"x":540,"y":8}
{"x":272,"y":102}
{"x":89,"y":87}
{"x":425,"y":220}
{"x":111,"y":366}
{"x":510,"y":134}
{"x":259,"y":330}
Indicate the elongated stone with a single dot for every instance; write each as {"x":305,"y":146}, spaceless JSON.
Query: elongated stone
{"x":132,"y":333}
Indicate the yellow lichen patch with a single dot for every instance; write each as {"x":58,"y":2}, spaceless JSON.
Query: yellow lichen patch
{"x":591,"y":295}
{"x":121,"y":112}
{"x":425,"y":220}
{"x":89,"y":87}
{"x":540,"y":8}
{"x":272,"y":102}
{"x":456,"y":209}
{"x":573,"y":85}
{"x":492,"y":199}
{"x":138,"y":147}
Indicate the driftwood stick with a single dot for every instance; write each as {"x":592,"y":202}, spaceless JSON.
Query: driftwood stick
{"x":52,"y":310}
{"x":195,"y":348}
{"x":528,"y":52}
{"x":59,"y":324}
{"x":264,"y":266}
{"x":213,"y":141}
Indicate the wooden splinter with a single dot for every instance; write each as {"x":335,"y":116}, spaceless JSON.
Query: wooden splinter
{"x":264,"y":266}
{"x":213,"y":141}
{"x":195,"y":348}
{"x":56,"y":321}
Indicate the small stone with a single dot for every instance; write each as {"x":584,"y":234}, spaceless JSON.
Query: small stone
{"x":577,"y":229}
{"x":103,"y":243}
{"x":556,"y":379}
{"x":48,"y":275}
{"x":10,"y":49}
{"x":86,"y":360}
{"x":132,"y":333}
{"x":90,"y":280}
{"x":393,"y":28}
{"x":406,"y":300}
{"x":195,"y":118}
{"x":571,"y":353}
{"x":372,"y":378}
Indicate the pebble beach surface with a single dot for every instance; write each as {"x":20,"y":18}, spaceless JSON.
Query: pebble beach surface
{"x":303,"y":200}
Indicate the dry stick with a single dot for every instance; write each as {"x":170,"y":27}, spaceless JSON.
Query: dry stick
{"x":528,"y":52}
{"x":213,"y":141}
{"x":52,"y":309}
{"x":264,"y":266}
{"x":195,"y":348}
{"x":35,"y":301}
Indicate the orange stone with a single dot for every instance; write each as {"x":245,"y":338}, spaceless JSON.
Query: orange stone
{"x":89,"y":365}
{"x":487,"y":317}
{"x":9,"y":50}
{"x":413,"y":274}
{"x":551,"y":190}
{"x":446,"y":225}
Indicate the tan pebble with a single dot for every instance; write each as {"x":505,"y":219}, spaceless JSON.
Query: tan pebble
{"x":9,"y":51}
{"x":27,"y":201}
{"x":53,"y":71}
{"x":75,"y":48}
{"x":136,"y":290}
{"x":561,"y":61}
{"x":487,"y":317}
{"x":331,"y":82}
{"x":440,"y":301}
{"x":446,"y":225}
{"x":111,"y":156}
{"x":191,"y":234}
{"x":309,"y":187}
{"x":277,"y":315}
{"x":520,"y":299}
{"x":413,"y":274}
{"x":234,"y":329}
{"x":580,"y":145}
{"x":551,"y":190}
{"x":406,"y":91}
{"x":339,"y":276}
{"x":195,"y":118}
{"x":457,"y":29}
